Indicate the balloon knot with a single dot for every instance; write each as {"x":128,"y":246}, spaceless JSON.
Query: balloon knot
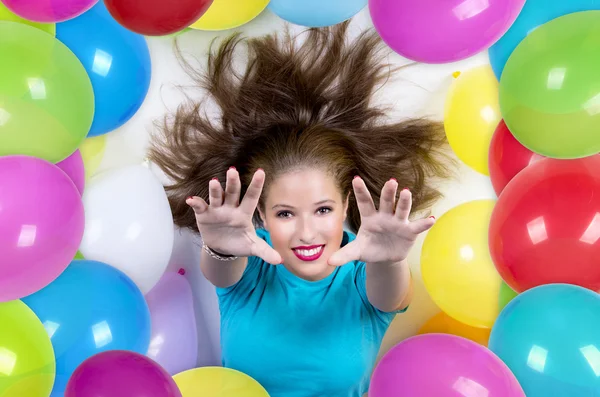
{"x":181,"y":271}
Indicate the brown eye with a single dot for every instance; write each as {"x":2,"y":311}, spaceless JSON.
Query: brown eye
{"x":284,"y":214}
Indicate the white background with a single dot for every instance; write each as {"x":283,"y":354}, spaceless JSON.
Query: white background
{"x":417,"y":90}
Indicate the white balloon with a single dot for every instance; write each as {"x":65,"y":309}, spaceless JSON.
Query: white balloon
{"x":129,"y":224}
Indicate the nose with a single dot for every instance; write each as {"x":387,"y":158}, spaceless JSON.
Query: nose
{"x":307,"y":231}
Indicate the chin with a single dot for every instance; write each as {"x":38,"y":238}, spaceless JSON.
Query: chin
{"x":312,"y":271}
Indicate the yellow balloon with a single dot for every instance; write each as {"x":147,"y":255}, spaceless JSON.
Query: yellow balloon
{"x":92,"y":151}
{"x":443,"y":324}
{"x":217,"y":382}
{"x":8,"y":15}
{"x":229,"y":14}
{"x":456,"y":265}
{"x":27,"y":361}
{"x":471,"y":115}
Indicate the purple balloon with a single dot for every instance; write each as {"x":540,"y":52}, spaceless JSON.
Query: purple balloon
{"x":441,"y":31}
{"x":121,"y":373}
{"x":174,"y":337}
{"x":41,"y":224}
{"x":49,"y":11}
{"x":73,"y":166}
{"x":442,"y":365}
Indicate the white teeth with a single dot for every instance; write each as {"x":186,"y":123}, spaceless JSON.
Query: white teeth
{"x":311,"y":252}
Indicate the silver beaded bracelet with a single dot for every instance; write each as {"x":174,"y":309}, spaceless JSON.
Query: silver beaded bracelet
{"x":218,"y":256}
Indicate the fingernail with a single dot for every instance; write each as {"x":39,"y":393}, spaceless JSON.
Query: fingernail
{"x":432,"y":217}
{"x":232,"y":168}
{"x":215,"y":179}
{"x":356,"y":176}
{"x":260,"y":169}
{"x":189,"y":198}
{"x":393,"y":179}
{"x":406,"y":188}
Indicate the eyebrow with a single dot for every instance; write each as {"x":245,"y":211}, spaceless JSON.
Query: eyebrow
{"x":317,"y":203}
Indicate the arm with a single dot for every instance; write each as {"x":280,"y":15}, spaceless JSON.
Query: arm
{"x":222,"y":274}
{"x":389,"y":285}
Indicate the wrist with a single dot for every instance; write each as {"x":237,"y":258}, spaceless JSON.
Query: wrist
{"x":217,"y":255}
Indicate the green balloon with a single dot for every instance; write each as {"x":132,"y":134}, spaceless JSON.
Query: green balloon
{"x":550,"y":88}
{"x":506,"y":295}
{"x":46,"y":96}
{"x":27,"y":361}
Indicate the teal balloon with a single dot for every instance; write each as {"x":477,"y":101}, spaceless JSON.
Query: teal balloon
{"x":90,"y":308}
{"x":549,"y":336}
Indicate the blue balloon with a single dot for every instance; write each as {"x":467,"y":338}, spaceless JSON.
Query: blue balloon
{"x":533,"y":14}
{"x":316,"y":13}
{"x":90,"y":308}
{"x":549,"y":336}
{"x":117,"y":61}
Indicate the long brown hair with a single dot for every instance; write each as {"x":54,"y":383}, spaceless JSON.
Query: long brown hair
{"x":295,"y":106}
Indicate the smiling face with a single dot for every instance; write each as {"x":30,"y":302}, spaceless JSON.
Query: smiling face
{"x":304,"y":213}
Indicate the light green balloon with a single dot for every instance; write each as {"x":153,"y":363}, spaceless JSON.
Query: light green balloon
{"x":506,"y":295}
{"x":8,"y":15}
{"x":46,"y":96}
{"x":27,"y":361}
{"x":550,"y":87}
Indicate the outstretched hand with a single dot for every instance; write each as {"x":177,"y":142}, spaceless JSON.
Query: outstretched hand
{"x":225,"y":224}
{"x":385,"y":235}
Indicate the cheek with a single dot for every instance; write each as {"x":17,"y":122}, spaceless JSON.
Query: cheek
{"x":281,"y":234}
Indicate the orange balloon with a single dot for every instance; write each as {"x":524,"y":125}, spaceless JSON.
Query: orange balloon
{"x":442,"y":323}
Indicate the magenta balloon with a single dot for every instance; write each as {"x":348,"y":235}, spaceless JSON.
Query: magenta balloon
{"x":73,"y":166}
{"x":442,"y":31}
{"x":442,"y":365}
{"x":120,"y":373}
{"x":49,"y":11}
{"x":174,"y":338}
{"x":41,"y":224}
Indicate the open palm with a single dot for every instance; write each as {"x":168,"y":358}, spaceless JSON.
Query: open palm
{"x":385,"y":235}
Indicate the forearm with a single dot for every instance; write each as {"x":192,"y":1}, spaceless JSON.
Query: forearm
{"x":220,"y":273}
{"x":389,"y":285}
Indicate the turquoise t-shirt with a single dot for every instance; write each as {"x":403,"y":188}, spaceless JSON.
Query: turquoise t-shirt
{"x":302,"y":338}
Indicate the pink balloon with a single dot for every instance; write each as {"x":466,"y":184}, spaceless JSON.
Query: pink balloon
{"x":49,"y":11}
{"x":174,"y":338}
{"x":442,"y":365}
{"x":121,"y":373}
{"x":41,"y":224}
{"x":74,"y":167}
{"x":442,"y":31}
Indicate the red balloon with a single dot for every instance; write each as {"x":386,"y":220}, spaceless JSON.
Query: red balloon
{"x":157,"y":17}
{"x":507,"y":157}
{"x":121,"y":373}
{"x":545,"y":227}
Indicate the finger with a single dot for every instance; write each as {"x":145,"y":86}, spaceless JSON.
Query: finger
{"x":422,"y":225}
{"x":232,"y":188}
{"x":197,"y":204}
{"x":388,"y":196}
{"x":215,"y":193}
{"x":265,"y":252}
{"x":250,"y":200}
{"x":404,"y":205}
{"x":364,"y":200}
{"x":350,"y":252}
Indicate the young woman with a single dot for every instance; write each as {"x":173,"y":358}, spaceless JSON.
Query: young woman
{"x":297,"y":151}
